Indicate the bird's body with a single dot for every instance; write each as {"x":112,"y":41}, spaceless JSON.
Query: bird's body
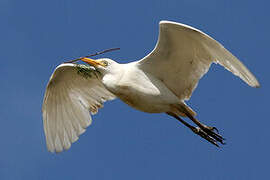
{"x":159,"y":83}
{"x":139,"y":89}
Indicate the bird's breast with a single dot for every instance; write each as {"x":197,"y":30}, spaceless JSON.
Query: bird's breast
{"x":136,"y":97}
{"x":142,"y":92}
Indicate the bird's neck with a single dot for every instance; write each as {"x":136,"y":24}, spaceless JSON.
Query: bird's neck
{"x":111,"y":80}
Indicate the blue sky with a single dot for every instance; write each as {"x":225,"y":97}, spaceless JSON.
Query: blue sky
{"x":123,"y":143}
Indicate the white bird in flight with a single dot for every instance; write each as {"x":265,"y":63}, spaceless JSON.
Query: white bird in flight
{"x":161,"y":82}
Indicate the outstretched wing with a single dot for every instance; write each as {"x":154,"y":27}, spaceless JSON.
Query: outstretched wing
{"x":184,"y":54}
{"x":73,"y":91}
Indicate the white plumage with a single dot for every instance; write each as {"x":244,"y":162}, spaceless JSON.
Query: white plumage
{"x":69,"y":98}
{"x":159,"y":83}
{"x":187,"y":54}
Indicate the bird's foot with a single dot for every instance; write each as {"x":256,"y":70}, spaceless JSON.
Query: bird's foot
{"x":210,"y":134}
{"x":213,"y":132}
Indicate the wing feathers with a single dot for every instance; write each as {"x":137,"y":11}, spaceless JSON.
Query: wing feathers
{"x":230,"y":62}
{"x":184,"y":54}
{"x":68,"y":99}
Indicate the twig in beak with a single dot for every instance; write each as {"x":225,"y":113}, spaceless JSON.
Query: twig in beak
{"x":91,"y":55}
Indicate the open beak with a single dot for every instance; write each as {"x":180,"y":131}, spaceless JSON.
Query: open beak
{"x":91,"y":62}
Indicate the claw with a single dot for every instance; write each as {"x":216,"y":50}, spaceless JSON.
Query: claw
{"x":211,"y":132}
{"x":209,"y":135}
{"x":214,"y":129}
{"x":205,"y":135}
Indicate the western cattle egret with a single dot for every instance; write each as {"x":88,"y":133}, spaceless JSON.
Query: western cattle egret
{"x":158,"y":83}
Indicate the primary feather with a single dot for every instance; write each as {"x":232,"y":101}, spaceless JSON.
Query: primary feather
{"x":73,"y":91}
{"x":184,"y":54}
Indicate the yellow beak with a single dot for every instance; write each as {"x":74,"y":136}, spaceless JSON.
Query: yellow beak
{"x":91,"y":62}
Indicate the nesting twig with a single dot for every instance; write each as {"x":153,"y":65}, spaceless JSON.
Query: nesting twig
{"x":91,"y":55}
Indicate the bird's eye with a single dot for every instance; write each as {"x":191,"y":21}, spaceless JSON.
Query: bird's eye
{"x":105,"y":63}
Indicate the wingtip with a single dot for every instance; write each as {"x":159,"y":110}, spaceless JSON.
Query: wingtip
{"x":257,"y":86}
{"x":254,"y":85}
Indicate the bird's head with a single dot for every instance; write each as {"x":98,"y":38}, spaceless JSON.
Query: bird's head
{"x":104,"y":65}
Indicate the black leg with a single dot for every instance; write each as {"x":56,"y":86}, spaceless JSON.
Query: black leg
{"x":209,"y":130}
{"x":196,"y":130}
